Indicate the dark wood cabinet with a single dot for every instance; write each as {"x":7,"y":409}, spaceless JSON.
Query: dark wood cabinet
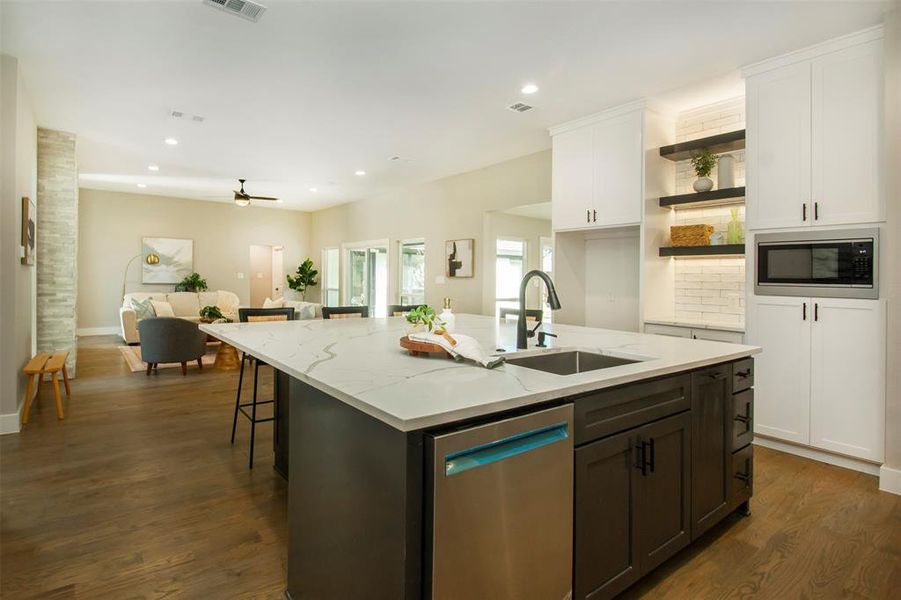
{"x":631,"y":505}
{"x":711,"y":441}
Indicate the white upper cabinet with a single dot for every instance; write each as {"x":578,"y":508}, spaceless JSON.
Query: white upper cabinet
{"x":814,"y":122}
{"x":847,"y":409}
{"x":598,"y":171}
{"x":778,"y":147}
{"x":847,"y":125}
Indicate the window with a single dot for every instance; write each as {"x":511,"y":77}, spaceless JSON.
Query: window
{"x":330,"y":261}
{"x":509,"y":269}
{"x":412,"y":272}
{"x":547,"y":265}
{"x":367,"y":276}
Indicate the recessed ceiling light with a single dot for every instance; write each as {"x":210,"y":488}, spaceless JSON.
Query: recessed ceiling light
{"x":529,"y":88}
{"x":359,"y":173}
{"x":153,"y":167}
{"x":142,"y":185}
{"x":314,"y":190}
{"x":171,"y":141}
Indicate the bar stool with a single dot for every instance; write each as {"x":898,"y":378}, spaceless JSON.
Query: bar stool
{"x":345,"y":312}
{"x":252,"y":315}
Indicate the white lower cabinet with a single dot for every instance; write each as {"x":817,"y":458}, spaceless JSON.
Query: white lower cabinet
{"x":820,"y":379}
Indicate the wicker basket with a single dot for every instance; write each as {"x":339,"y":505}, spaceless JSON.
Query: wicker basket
{"x":691,"y":235}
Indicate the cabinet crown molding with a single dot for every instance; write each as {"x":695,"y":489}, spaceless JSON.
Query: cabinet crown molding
{"x":846,"y":41}
{"x":609,"y":113}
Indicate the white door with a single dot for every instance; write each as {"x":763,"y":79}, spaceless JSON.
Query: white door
{"x":618,"y":161}
{"x":778,"y":148}
{"x":846,"y":134}
{"x":847,"y":410}
{"x":781,"y":326}
{"x":278,"y":272}
{"x":572,"y":174}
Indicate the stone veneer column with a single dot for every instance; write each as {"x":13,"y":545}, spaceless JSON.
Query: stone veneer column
{"x":57,"y":243}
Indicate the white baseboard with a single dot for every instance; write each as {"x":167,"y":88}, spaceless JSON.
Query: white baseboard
{"x":838,"y":460}
{"x":10,"y":422}
{"x":890,"y":480}
{"x":88,"y":331}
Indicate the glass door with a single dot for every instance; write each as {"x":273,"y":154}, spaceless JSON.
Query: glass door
{"x":367,"y":278}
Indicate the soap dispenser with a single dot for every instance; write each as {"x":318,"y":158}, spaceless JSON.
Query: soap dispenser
{"x":447,"y":317}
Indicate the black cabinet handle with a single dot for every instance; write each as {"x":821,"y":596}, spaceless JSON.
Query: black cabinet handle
{"x":588,"y":216}
{"x":804,"y":211}
{"x":816,"y":311}
{"x":804,"y":312}
{"x":743,"y":374}
{"x":816,"y":211}
{"x":653,"y":454}
{"x":746,"y":476}
{"x":642,"y":460}
{"x":594,"y":216}
{"x":715,"y":375}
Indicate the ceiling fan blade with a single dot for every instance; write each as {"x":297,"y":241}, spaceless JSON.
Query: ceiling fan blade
{"x":262,"y":197}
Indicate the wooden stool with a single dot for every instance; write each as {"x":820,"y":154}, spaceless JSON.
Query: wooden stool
{"x":46,"y":363}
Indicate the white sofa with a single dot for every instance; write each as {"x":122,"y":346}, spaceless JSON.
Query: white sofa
{"x":185,"y":305}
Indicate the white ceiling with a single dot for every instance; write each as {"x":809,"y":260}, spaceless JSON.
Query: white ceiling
{"x":317,"y":90}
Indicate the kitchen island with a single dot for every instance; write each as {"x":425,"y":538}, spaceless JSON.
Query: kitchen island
{"x":363,"y":420}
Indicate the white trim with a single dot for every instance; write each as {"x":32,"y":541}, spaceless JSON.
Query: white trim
{"x":819,"y":455}
{"x":810,"y":52}
{"x":615,"y":111}
{"x":890,"y":480}
{"x":89,"y":331}
{"x":11,"y":422}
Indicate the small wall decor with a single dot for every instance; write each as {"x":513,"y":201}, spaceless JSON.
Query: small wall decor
{"x":458,"y":256}
{"x":29,"y":230}
{"x":166,"y":260}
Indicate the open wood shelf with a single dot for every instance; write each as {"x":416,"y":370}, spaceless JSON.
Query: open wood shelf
{"x":717,"y":144}
{"x":721,"y":250}
{"x":734,"y":195}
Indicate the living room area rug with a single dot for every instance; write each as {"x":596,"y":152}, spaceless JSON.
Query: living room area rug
{"x":132,"y":355}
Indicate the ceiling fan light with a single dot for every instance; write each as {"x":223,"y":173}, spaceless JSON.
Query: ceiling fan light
{"x":242,"y":201}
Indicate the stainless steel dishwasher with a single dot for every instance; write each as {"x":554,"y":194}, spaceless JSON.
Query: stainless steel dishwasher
{"x":502,"y":509}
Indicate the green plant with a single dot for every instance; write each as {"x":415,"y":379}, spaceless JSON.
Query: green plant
{"x":192,"y":283}
{"x":703,"y":162}
{"x":304,"y":278}
{"x":211,"y":313}
{"x":424,"y":315}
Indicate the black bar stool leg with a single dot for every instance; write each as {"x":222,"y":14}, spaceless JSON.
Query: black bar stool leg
{"x":238,"y":397}
{"x":253,"y":410}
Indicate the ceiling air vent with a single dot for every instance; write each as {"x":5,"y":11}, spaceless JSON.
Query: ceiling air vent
{"x":242,"y":8}
{"x":520,"y":107}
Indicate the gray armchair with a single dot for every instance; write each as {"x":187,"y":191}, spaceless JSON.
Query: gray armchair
{"x":170,"y":340}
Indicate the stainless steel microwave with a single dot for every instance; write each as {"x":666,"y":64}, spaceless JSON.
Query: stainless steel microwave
{"x":834,"y":264}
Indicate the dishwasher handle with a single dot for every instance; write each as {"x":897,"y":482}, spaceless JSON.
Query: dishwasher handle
{"x":508,"y":447}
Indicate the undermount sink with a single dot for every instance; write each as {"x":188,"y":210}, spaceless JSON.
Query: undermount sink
{"x":569,"y":362}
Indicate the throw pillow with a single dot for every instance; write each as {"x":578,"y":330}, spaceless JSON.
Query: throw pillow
{"x":306,"y":311}
{"x":162,"y":309}
{"x":268,"y":303}
{"x":143,"y":308}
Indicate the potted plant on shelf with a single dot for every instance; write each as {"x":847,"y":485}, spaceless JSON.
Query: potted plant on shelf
{"x":703,"y":163}
{"x":304,"y":277}
{"x":192,"y":283}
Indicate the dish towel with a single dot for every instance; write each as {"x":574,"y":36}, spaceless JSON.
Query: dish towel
{"x":465,"y":347}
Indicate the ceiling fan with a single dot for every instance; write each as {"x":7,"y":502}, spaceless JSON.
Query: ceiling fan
{"x":242,"y":198}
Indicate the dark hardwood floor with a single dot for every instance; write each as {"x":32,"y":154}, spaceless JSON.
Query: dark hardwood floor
{"x":138,"y":494}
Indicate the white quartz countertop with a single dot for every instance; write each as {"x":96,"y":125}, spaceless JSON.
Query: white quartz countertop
{"x":359,"y":362}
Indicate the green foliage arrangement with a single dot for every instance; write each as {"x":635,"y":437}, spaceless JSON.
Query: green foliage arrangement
{"x":424,"y":315}
{"x":703,"y":163}
{"x":192,"y":283}
{"x":211,"y":313}
{"x":303,"y":278}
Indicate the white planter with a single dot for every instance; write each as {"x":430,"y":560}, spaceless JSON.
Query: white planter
{"x":703,"y":184}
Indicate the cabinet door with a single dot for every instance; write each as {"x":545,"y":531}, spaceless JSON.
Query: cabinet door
{"x":718,"y":335}
{"x":711,"y":445}
{"x":606,"y":557}
{"x":572,"y":174}
{"x":662,"y":525}
{"x":781,"y":326}
{"x":847,"y":411}
{"x":618,"y":170}
{"x":847,"y":125}
{"x":670,"y":330}
{"x":778,"y":148}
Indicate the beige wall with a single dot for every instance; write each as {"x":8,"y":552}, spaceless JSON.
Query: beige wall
{"x":447,"y":209}
{"x":502,"y":225}
{"x":111,"y":225}
{"x":18,"y":146}
{"x":892,"y":241}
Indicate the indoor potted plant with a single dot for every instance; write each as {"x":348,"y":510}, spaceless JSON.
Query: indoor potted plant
{"x":423,"y":319}
{"x":211,"y":314}
{"x":192,"y":283}
{"x":703,"y":163}
{"x":304,"y":277}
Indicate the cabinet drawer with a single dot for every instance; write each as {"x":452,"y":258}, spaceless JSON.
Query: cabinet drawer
{"x":742,"y":374}
{"x":742,"y":481}
{"x":742,"y":419}
{"x":610,"y":411}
